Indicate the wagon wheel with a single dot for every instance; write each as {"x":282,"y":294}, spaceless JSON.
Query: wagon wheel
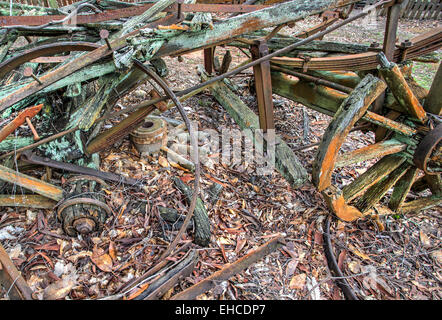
{"x":399,"y":160}
{"x":42,"y":53}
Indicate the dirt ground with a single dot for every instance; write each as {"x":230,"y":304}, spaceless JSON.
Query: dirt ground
{"x":401,"y":262}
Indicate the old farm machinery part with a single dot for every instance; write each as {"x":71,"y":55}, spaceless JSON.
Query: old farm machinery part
{"x":413,"y":137}
{"x":83,"y":210}
{"x":150,"y":136}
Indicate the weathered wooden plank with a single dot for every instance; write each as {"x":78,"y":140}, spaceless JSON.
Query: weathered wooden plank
{"x":402,"y":188}
{"x":316,"y":97}
{"x":229,"y":270}
{"x":31,"y":183}
{"x":420,"y":204}
{"x":12,"y":279}
{"x":26,"y":200}
{"x":229,"y":28}
{"x":400,"y":89}
{"x":375,"y":193}
{"x":376,"y":150}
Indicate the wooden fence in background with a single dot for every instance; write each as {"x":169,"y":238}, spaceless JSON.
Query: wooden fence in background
{"x":413,"y":9}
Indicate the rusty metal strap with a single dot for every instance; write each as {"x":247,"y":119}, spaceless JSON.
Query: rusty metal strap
{"x":30,"y":157}
{"x":426,"y":147}
{"x":125,"y":13}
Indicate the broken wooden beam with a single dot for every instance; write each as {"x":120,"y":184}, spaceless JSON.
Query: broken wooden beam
{"x":200,"y":215}
{"x":43,"y":188}
{"x":286,"y":161}
{"x":12,"y":280}
{"x":392,"y":74}
{"x":26,"y":200}
{"x":229,"y":270}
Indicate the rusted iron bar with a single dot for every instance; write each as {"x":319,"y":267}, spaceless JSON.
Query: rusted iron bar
{"x":12,"y":280}
{"x":194,"y":154}
{"x":229,"y":271}
{"x":31,"y":126}
{"x":8,"y":21}
{"x":333,"y":263}
{"x":38,"y":186}
{"x":263,"y":86}
{"x":19,"y":120}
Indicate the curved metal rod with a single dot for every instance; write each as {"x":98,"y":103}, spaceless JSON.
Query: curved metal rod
{"x":46,"y":49}
{"x":333,"y":264}
{"x":194,"y":146}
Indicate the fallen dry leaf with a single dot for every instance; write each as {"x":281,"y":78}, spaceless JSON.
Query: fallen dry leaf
{"x":358,"y":253}
{"x":112,"y":250}
{"x":424,"y":239}
{"x":291,"y":267}
{"x":163,"y":162}
{"x":79,"y":255}
{"x":298,"y":281}
{"x":59,"y":289}
{"x":102,"y":260}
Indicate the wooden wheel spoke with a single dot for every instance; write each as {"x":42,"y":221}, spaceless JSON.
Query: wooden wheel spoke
{"x":402,"y":188}
{"x":373,"y":175}
{"x":378,"y":190}
{"x":376,"y":150}
{"x":350,"y":111}
{"x":420,"y":204}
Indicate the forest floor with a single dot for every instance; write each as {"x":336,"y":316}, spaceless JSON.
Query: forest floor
{"x":402,"y":262}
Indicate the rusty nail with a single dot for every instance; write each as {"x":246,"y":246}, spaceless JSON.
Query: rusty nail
{"x":31,"y":126}
{"x":27,"y":72}
{"x":104,"y":34}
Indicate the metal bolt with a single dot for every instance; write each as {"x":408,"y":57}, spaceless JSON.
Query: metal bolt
{"x":179,"y":2}
{"x":104,"y":34}
{"x":84,"y":225}
{"x":406,"y":44}
{"x":27,"y":72}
